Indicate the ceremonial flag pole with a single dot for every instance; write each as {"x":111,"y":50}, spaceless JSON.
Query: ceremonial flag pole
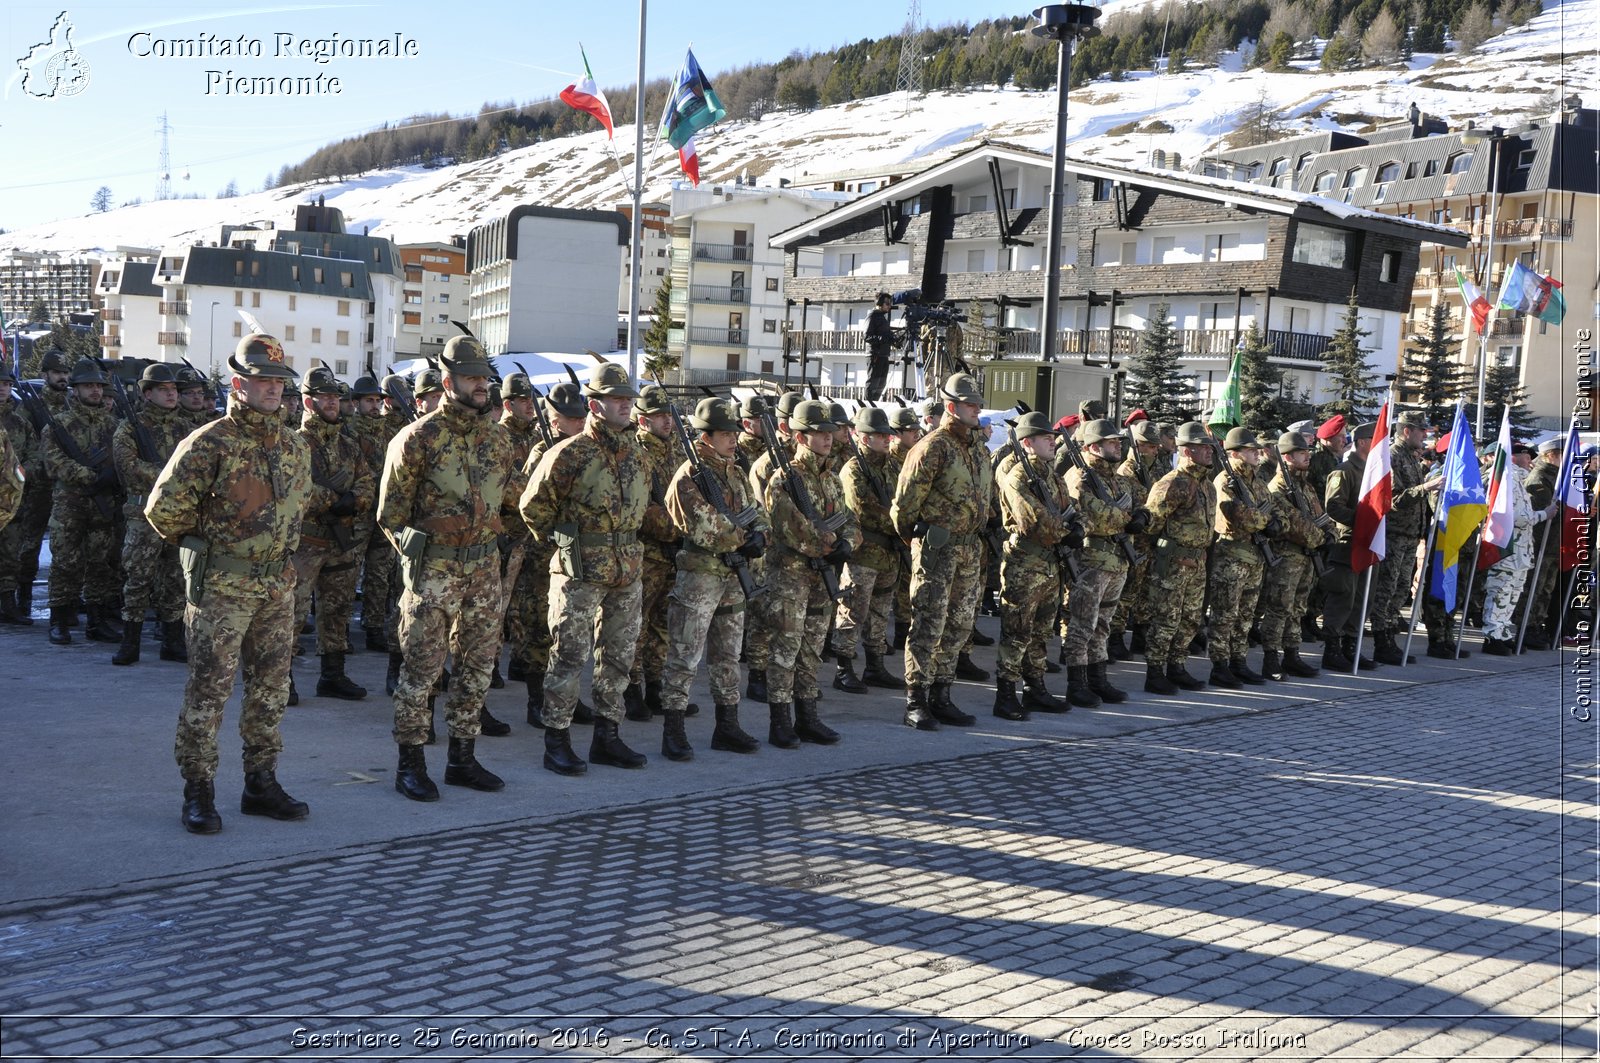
{"x":1370,"y":543}
{"x":1551,"y":528}
{"x":1421,"y":589}
{"x":635,"y":252}
{"x":1466,"y":601}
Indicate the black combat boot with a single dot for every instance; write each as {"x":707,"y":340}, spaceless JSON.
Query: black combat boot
{"x":1116,"y":648}
{"x":174,"y":646}
{"x":25,"y":602}
{"x":1101,"y":684}
{"x":1445,"y":650}
{"x":1181,"y":677}
{"x":1499,"y":647}
{"x":516,"y":670}
{"x":582,"y":713}
{"x":1036,"y":697}
{"x":102,"y":626}
{"x":607,"y":747}
{"x":558,"y":754}
{"x":1240,"y":667}
{"x":1384,"y":650}
{"x":490,"y":726}
{"x":944,"y":710}
{"x":496,"y":680}
{"x":1309,"y":631}
{"x":391,"y":678}
{"x":264,"y":797}
{"x":411,"y":776}
{"x":294,"y":695}
{"x":10,"y":611}
{"x":536,"y":700}
{"x":917,"y":713}
{"x":875,"y":674}
{"x":845,"y":678}
{"x":377,"y":641}
{"x":1333,"y":658}
{"x":433,"y":735}
{"x":808,"y":726}
{"x":979,"y":638}
{"x":1156,"y":681}
{"x":633,"y":706}
{"x":1297,"y":666}
{"x":897,"y":638}
{"x":333,"y":683}
{"x":1078,"y":692}
{"x":780,"y":731}
{"x":965,"y":669}
{"x":1349,"y":646}
{"x":128,"y":652}
{"x":1222,"y":676}
{"x":1136,"y":643}
{"x":674,"y":742}
{"x":462,"y":768}
{"x":1006,"y":705}
{"x":200,"y":807}
{"x":728,"y":736}
{"x":1051,"y":667}
{"x":756,"y":688}
{"x":1272,"y":665}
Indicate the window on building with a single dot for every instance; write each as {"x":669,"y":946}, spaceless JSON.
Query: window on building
{"x":1411,"y":170}
{"x":341,"y":367}
{"x":316,"y":335}
{"x":1221,"y":247}
{"x":1279,"y":167}
{"x":344,"y":308}
{"x":1318,"y":245}
{"x":1324,"y":181}
{"x":346,"y":279}
{"x":766,"y":366}
{"x":975,"y":261}
{"x":294,"y":273}
{"x":1389,"y":267}
{"x":444,"y":297}
{"x":238,"y":298}
{"x":1459,"y":162}
{"x":772,"y":284}
{"x":342,"y":338}
{"x":238,"y":267}
{"x":733,"y":363}
{"x":238,"y":330}
{"x":977,"y":203}
{"x":255,"y":300}
{"x":255,"y":267}
{"x":288,"y":332}
{"x":444,"y":319}
{"x":1252,"y":172}
{"x":1389,"y":171}
{"x":316,"y":274}
{"x":1430,"y":168}
{"x":769,"y":325}
{"x":1102,"y":189}
{"x":1354,"y":177}
{"x":1303,"y":162}
{"x":292,"y":301}
{"x":1525,"y":158}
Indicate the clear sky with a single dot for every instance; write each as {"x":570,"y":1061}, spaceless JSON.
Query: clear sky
{"x":69,"y":127}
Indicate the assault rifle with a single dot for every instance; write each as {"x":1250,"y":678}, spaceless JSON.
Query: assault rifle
{"x":340,"y":485}
{"x":802,"y":501}
{"x":1068,"y":516}
{"x":141,"y":435}
{"x":105,"y":483}
{"x":1262,"y":540}
{"x":1318,"y":564}
{"x":400,"y":393}
{"x":885,"y":498}
{"x":1098,"y":486}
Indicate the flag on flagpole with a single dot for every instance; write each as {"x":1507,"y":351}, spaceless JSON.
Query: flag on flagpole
{"x":586,"y":96}
{"x":1474,"y":301}
{"x":1370,"y":542}
{"x":1573,"y":494}
{"x":1227,"y":410}
{"x":689,"y":160}
{"x":1550,"y":307}
{"x":1462,"y":507}
{"x":1498,"y":528}
{"x":692,"y":105}
{"x":1520,"y":288}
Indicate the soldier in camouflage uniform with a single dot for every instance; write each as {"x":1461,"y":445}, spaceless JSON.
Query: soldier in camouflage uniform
{"x":194,"y":403}
{"x":1238,"y":565}
{"x":1182,"y":507}
{"x":588,"y":497}
{"x":1030,"y":572}
{"x":1140,"y":469}
{"x":518,"y":421}
{"x":800,"y":606}
{"x":1542,"y":486}
{"x":439,"y":502}
{"x":83,"y":547}
{"x":26,"y":455}
{"x":232,"y":496}
{"x":941,"y":505}
{"x":150,"y":568}
{"x":872,"y":573}
{"x":1286,"y":588}
{"x":662,"y":456}
{"x":1341,"y":595}
{"x":38,"y":495}
{"x":10,"y":483}
{"x":908,"y":430}
{"x":1331,"y":448}
{"x":752,"y":438}
{"x":758,"y":625}
{"x":342,"y":486}
{"x":1103,"y":570}
{"x":373,"y":432}
{"x":707,"y":606}
{"x":1391,"y":584}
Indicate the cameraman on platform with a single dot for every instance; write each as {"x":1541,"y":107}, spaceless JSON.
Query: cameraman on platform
{"x":879,"y":337}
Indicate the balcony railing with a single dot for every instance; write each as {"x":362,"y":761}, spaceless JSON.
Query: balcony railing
{"x":173,"y":339}
{"x":721,"y":337}
{"x":172,"y":308}
{"x":111,"y":313}
{"x":715,"y":293}
{"x":725,"y":252}
{"x":1119,"y":343}
{"x":111,"y":341}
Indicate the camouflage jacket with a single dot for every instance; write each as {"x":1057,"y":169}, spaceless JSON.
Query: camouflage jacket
{"x":26,"y":451}
{"x":200,"y":418}
{"x":1342,"y":494}
{"x":1021,"y":512}
{"x":1183,"y":504}
{"x":1541,"y":487}
{"x":1102,"y":521}
{"x":524,"y":436}
{"x":91,"y":427}
{"x":707,"y":534}
{"x":337,"y":466}
{"x":899,"y":451}
{"x":166,"y":429}
{"x":1241,"y":516}
{"x":946,"y":482}
{"x":1297,"y":508}
{"x":446,"y":474}
{"x":751,"y":448}
{"x":538,"y":553}
{"x":790,"y":530}
{"x":878,"y":539}
{"x":1141,"y":474}
{"x":10,"y":481}
{"x":763,"y":467}
{"x":656,"y":531}
{"x":1408,"y":518}
{"x":240,"y":483}
{"x":595,"y":487}
{"x":373,"y":434}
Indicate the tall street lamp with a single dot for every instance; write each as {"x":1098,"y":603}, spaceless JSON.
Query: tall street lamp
{"x":1064,"y":24}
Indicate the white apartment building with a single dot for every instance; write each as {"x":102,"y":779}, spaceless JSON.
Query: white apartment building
{"x":654,"y":257}
{"x":436,"y":291}
{"x":130,"y":302}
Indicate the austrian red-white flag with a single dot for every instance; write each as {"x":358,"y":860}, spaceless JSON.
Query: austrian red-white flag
{"x":1370,"y":543}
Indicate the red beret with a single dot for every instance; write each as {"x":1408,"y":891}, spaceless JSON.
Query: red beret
{"x":1443,"y":445}
{"x":1069,"y":421}
{"x":1135,"y":417}
{"x":1331,"y":427}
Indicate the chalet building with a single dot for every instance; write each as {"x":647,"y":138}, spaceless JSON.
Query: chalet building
{"x":1221,"y":254}
{"x":1539,"y":187}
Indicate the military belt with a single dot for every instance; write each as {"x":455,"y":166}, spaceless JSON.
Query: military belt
{"x":879,"y":539}
{"x":1028,"y":546}
{"x":1179,"y":549}
{"x":239,"y":566}
{"x":626,"y":538}
{"x":318,"y":531}
{"x":965,"y":539}
{"x":460,"y":553}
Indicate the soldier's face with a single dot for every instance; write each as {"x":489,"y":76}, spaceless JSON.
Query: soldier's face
{"x":1198,"y":455}
{"x":1249,"y":455}
{"x":368,"y":405}
{"x":347,"y":407}
{"x":1298,"y":460}
{"x":55,"y":379}
{"x":90,"y":394}
{"x":819,"y":443}
{"x":521,"y":407}
{"x":752,"y":425}
{"x":964,"y":412}
{"x":471,"y":391}
{"x":909,"y":436}
{"x":618,"y":413}
{"x":876,"y":442}
{"x":567,"y":426}
{"x":5,"y":390}
{"x":325,"y":407}
{"x":429,"y":402}
{"x":164,"y":396}
{"x":192,"y":398}
{"x":657,"y":424}
{"x":1109,"y":449}
{"x":1412,"y":437}
{"x":724,"y":444}
{"x":264,"y":394}
{"x":1043,"y":445}
{"x":1336,"y":444}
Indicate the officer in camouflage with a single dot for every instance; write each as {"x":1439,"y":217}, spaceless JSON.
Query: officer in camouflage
{"x":873,"y":571}
{"x":26,"y":455}
{"x":1286,"y":588}
{"x":231,"y":498}
{"x":758,"y":626}
{"x":1182,"y":507}
{"x":907,"y":431}
{"x":149,"y":567}
{"x":83,"y":547}
{"x":662,"y":456}
{"x":1238,"y":565}
{"x":588,"y":498}
{"x":1140,"y":469}
{"x":439,"y":502}
{"x":1391,"y":584}
{"x":800,"y":606}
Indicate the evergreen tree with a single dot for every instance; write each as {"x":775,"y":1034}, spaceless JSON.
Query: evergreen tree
{"x":1156,"y":379}
{"x":1430,"y":371}
{"x":1355,"y":391}
{"x":1260,"y":383}
{"x":38,"y":311}
{"x":658,"y":360}
{"x":1501,"y":386}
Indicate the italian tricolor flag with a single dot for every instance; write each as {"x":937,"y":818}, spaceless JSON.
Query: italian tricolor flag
{"x":586,"y":96}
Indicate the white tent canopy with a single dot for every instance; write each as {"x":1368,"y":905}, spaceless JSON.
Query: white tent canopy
{"x":543,"y":368}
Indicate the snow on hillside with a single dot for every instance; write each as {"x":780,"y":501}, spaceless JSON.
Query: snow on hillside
{"x":1514,"y":77}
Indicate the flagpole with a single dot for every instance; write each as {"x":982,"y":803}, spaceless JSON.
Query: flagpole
{"x":1566,"y":603}
{"x":1466,"y":601}
{"x":1488,"y":278}
{"x":1423,"y":584}
{"x":1531,"y":587}
{"x":1355,"y":661}
{"x":635,"y":251}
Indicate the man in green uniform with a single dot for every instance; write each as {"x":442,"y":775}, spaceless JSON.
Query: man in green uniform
{"x":27,"y":456}
{"x":1140,"y":469}
{"x":1182,"y":507}
{"x":1405,"y":527}
{"x":1097,"y":591}
{"x":372,"y":432}
{"x":873,"y":571}
{"x":1286,"y":588}
{"x":662,"y":456}
{"x":1238,"y":563}
{"x":758,"y":626}
{"x":83,"y":511}
{"x":1341,"y":601}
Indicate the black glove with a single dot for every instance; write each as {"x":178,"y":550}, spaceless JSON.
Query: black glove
{"x":919,"y":529}
{"x":1274,"y":528}
{"x":754,"y":545}
{"x":1139,"y":521}
{"x":106,"y":478}
{"x":839,"y":554}
{"x":345,"y":506}
{"x":1074,"y":536}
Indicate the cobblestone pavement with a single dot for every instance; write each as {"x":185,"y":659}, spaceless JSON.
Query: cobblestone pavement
{"x":1393,"y":875}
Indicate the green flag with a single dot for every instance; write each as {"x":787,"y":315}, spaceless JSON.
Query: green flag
{"x":1226,"y":411}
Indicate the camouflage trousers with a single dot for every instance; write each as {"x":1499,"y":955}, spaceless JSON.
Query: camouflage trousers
{"x":1285,"y":591}
{"x":378,"y":577}
{"x":528,"y":615}
{"x":151,"y":578}
{"x":452,"y":610}
{"x":323,"y":568}
{"x":1391,"y":584}
{"x":587,"y":617}
{"x":1504,"y":585}
{"x":1177,"y":595}
{"x":705,"y":614}
{"x":1030,"y":587}
{"x":83,"y":556}
{"x":798,"y":609}
{"x":1236,"y":574}
{"x":1134,"y":605}
{"x":248,"y":621}
{"x":511,"y":562}
{"x":1543,"y":587}
{"x":655,"y":583}
{"x":20,"y":540}
{"x":945,"y":585}
{"x":757,"y":625}
{"x":1091,"y":606}
{"x":864,"y":612}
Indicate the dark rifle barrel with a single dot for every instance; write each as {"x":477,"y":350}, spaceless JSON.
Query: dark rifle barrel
{"x":141,"y":435}
{"x":1068,"y":562}
{"x":1098,"y":486}
{"x":802,"y":500}
{"x":1262,"y":541}
{"x":885,"y":499}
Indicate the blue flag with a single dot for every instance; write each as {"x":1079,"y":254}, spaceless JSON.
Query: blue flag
{"x":1462,"y":506}
{"x":691,"y":105}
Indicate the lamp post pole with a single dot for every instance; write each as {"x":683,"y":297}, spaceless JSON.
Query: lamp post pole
{"x":1494,"y":140}
{"x":211,"y":341}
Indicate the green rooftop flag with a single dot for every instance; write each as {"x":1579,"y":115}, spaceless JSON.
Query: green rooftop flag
{"x":1226,"y":410}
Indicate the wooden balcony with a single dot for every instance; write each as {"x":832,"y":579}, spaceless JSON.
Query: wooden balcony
{"x":173,"y":339}
{"x":173,"y":308}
